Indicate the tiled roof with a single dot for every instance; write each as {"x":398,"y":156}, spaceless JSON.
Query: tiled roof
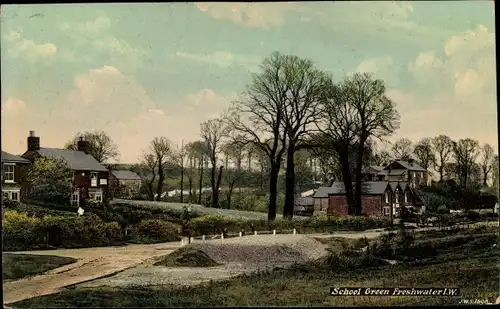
{"x":322,"y":192}
{"x":368,"y":187}
{"x":10,"y":158}
{"x":304,"y":201}
{"x":126,"y":175}
{"x":76,"y":160}
{"x":414,"y":166}
{"x":393,"y":172}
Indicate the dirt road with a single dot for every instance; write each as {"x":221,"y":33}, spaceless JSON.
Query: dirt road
{"x":94,"y":263}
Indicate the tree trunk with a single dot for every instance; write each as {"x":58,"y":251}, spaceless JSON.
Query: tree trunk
{"x":161,"y":179}
{"x":273,"y":191}
{"x":217,"y":186}
{"x":289,"y":183}
{"x":347,"y":178}
{"x":201,"y":180}
{"x":357,"y":174}
{"x":262,"y":178}
{"x":212,"y":182}
{"x":182,"y":184}
{"x":190,"y":183}
{"x":229,"y":194}
{"x":441,"y":172}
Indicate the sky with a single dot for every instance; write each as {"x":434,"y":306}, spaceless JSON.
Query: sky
{"x":138,"y":71}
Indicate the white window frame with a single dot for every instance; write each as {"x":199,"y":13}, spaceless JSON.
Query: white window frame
{"x":406,"y":196}
{"x":414,"y":175}
{"x":8,"y":194}
{"x":387,"y":210}
{"x":422,"y":175}
{"x":96,"y":195}
{"x":387,"y":197}
{"x":5,"y":172}
{"x":77,"y":199}
{"x":94,"y":179}
{"x":397,"y":195}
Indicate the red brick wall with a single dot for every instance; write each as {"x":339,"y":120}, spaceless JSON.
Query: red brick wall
{"x":372,"y":205}
{"x":83,"y":182}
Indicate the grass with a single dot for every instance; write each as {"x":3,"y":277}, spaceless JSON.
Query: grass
{"x":187,"y":257}
{"x":308,"y":285}
{"x":17,"y":266}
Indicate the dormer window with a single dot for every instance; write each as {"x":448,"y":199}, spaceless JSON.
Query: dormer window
{"x":387,"y":197}
{"x":8,"y":172}
{"x":93,"y":179}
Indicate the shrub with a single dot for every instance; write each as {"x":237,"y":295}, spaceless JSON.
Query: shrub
{"x":443,"y":209}
{"x":156,"y":230}
{"x":473,"y":215}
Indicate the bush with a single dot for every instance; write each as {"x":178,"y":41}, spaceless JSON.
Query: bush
{"x":473,"y":215}
{"x":443,"y":210}
{"x":156,"y":231}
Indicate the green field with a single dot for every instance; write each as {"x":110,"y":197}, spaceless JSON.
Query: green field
{"x":17,"y":266}
{"x":469,"y":268}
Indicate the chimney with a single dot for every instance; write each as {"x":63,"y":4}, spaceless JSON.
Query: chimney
{"x":411,"y":161}
{"x":33,"y":142}
{"x":83,"y":145}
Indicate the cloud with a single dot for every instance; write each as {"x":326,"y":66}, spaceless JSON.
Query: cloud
{"x":256,"y":15}
{"x":21,"y":47}
{"x":383,"y":68}
{"x":95,"y":34}
{"x":13,"y":106}
{"x":224,"y":59}
{"x":454,"y":90}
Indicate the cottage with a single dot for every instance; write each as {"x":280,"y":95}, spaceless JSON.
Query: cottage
{"x":90,"y":178}
{"x":399,"y":170}
{"x":320,"y":198}
{"x":304,"y":206}
{"x":14,"y":169}
{"x":125,"y":184}
{"x":378,"y":199}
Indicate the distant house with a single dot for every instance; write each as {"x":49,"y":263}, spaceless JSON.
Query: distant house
{"x":14,"y":169}
{"x":320,"y":199}
{"x":304,"y":206}
{"x":379,"y":198}
{"x":399,"y":170}
{"x":125,"y":184}
{"x":90,"y":178}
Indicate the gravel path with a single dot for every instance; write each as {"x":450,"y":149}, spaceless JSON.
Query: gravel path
{"x":238,"y":256}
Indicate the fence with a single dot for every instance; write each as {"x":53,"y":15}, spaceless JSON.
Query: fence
{"x":223,"y":236}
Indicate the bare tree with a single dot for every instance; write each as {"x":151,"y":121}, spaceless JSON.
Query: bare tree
{"x":424,"y":153}
{"x":180,"y":156}
{"x":376,"y":115}
{"x":258,"y":118}
{"x":234,"y":152}
{"x":148,"y":173}
{"x":213,"y":132}
{"x":465,"y":152}
{"x":101,"y":146}
{"x":191,"y":167}
{"x":402,"y":149}
{"x":487,"y":161}
{"x":382,"y":158}
{"x":443,"y":149}
{"x":200,"y":151}
{"x":306,"y":90}
{"x":160,"y":151}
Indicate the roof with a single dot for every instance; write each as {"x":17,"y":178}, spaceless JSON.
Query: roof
{"x":393,"y":172}
{"x":126,"y":175}
{"x":414,"y":166}
{"x":376,"y":168}
{"x":304,"y":201}
{"x":368,"y":187}
{"x":322,"y":192}
{"x":76,"y":160}
{"x":10,"y":158}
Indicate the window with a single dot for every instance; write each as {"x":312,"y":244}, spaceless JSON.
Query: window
{"x":93,"y":179}
{"x":8,"y":172}
{"x":14,"y":196}
{"x":397,"y":196}
{"x":75,"y":199}
{"x":421,"y":174}
{"x":387,"y":197}
{"x":96,"y":195}
{"x":324,"y":208}
{"x":103,"y":181}
{"x":387,"y":211}
{"x":406,"y":197}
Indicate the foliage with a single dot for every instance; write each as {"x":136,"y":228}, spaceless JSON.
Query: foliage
{"x":424,"y":153}
{"x":50,"y":180}
{"x":187,"y":257}
{"x":155,"y":230}
{"x":100,"y":145}
{"x":402,"y":149}
{"x":442,"y":210}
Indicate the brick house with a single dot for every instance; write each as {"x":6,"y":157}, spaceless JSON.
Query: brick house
{"x":378,"y":199}
{"x":14,"y":169}
{"x":398,"y":170}
{"x":124,"y":183}
{"x":90,"y":178}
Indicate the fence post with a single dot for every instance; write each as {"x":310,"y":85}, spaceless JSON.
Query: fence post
{"x":255,"y":232}
{"x":294,"y":231}
{"x":203,"y":237}
{"x":241,"y":234}
{"x":274,"y":232}
{"x":191,"y":239}
{"x":222,"y":236}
